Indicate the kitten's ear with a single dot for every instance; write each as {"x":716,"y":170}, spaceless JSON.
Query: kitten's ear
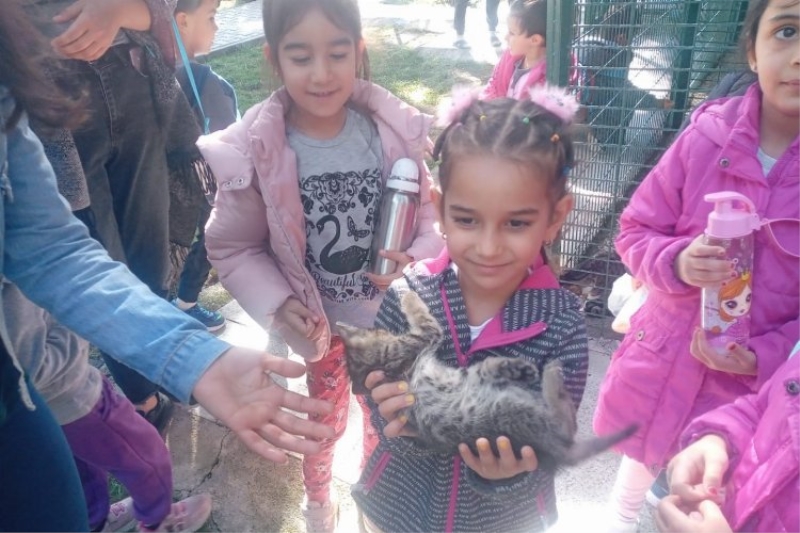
{"x":346,"y":332}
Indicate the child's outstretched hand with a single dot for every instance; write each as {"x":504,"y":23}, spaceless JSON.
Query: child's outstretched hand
{"x":701,"y":265}
{"x":300,"y":318}
{"x":696,"y":473}
{"x":95,"y":24}
{"x":490,"y":466}
{"x":383,"y":282}
{"x":392,"y":398}
{"x":706,"y":517}
{"x":238,"y":390}
{"x":737,"y":360}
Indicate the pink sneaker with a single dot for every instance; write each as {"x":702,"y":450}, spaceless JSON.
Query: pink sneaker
{"x":186,"y":515}
{"x":320,"y":518}
{"x":120,"y":516}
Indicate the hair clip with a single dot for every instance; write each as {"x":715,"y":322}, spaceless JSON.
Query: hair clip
{"x":554,"y":138}
{"x":482,"y":117}
{"x":556,"y":100}
{"x":526,"y":120}
{"x":450,"y":109}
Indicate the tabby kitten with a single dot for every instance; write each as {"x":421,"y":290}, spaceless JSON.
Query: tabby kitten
{"x":492,"y":398}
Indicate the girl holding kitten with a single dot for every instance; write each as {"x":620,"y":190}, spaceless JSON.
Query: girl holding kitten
{"x":501,"y":198}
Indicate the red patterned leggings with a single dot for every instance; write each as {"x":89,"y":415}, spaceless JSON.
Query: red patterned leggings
{"x":327,"y":379}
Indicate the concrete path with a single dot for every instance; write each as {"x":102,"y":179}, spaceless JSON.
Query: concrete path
{"x":251,"y":494}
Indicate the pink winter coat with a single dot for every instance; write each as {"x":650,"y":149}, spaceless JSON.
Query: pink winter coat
{"x":762,"y":432}
{"x":653,"y":380}
{"x":499,"y":85}
{"x":256,"y":233}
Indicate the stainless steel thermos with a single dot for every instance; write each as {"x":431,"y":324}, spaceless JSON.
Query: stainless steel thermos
{"x":397,"y":216}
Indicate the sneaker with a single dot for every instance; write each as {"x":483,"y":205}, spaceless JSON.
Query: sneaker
{"x":320,"y":518}
{"x":496,"y":42}
{"x":620,"y":525}
{"x":186,"y":515}
{"x":120,"y":516}
{"x":160,"y":415}
{"x":658,"y":490}
{"x":461,"y":43}
{"x":210,"y":319}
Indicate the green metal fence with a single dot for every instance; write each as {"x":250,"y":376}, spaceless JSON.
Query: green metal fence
{"x":643,"y":64}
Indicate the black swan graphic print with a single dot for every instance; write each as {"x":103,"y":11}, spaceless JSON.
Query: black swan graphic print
{"x":340,"y":213}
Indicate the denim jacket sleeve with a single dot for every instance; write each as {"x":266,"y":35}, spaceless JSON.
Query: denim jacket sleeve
{"x":49,"y":255}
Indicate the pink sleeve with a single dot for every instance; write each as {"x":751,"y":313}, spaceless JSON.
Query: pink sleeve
{"x":771,"y":350}
{"x":647,"y":243}
{"x":735,"y":422}
{"x":497,"y":87}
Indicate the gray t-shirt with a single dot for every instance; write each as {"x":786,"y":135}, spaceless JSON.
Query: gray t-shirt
{"x":340,"y":188}
{"x":766,"y":161}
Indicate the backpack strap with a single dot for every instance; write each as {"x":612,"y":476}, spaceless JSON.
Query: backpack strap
{"x":187,"y":65}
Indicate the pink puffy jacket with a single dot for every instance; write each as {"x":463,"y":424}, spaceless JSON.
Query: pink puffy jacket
{"x":256,"y":235}
{"x":653,"y":380}
{"x":762,"y":432}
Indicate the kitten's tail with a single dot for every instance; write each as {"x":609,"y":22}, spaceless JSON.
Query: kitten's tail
{"x":588,"y":448}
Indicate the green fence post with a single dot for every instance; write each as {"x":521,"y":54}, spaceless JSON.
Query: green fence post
{"x":683,"y":63}
{"x":559,"y":40}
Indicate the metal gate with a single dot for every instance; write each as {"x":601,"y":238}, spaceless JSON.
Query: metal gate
{"x":643,"y":64}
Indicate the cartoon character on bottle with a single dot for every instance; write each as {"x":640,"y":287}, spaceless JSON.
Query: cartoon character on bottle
{"x":733,"y":305}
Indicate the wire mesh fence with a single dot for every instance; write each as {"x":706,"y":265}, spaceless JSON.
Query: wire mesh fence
{"x":642,"y":65}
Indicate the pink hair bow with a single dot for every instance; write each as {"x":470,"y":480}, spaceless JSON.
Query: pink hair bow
{"x":555,"y":99}
{"x":450,"y":109}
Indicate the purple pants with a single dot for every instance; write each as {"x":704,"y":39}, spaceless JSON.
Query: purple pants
{"x":113,"y":438}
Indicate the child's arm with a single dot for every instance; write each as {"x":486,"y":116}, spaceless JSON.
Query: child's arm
{"x":647,"y":243}
{"x":497,"y":86}
{"x":428,"y":242}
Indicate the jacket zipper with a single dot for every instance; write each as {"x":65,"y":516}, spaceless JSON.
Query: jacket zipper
{"x":375,"y":476}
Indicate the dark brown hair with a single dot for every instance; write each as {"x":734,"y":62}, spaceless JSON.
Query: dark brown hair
{"x":516,"y":130}
{"x":752,"y":20}
{"x":280,"y":16}
{"x":532,"y":16}
{"x":25,"y":60}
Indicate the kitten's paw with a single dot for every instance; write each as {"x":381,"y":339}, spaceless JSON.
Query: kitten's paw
{"x":504,"y":368}
{"x":552,"y":379}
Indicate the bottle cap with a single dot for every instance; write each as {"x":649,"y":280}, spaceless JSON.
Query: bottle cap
{"x":734,"y":215}
{"x":404,"y":176}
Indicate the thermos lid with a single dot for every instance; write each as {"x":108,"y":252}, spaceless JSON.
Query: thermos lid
{"x":404,"y":176}
{"x":734,"y":215}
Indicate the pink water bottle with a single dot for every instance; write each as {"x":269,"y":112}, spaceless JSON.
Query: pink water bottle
{"x":726,"y":307}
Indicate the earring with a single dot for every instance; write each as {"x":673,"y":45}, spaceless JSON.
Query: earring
{"x":548,"y":242}
{"x":444,"y":235}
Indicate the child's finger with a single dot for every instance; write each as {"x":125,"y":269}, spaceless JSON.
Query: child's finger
{"x":374,"y":378}
{"x":469,"y":458}
{"x":529,"y":460}
{"x":485,"y":452}
{"x":384,"y":391}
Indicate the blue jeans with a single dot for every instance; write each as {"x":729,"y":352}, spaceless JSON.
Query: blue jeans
{"x":460,"y":15}
{"x":197,"y":266}
{"x":39,"y":485}
{"x":122,"y":150}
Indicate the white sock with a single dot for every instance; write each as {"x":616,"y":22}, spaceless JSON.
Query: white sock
{"x":184,"y":306}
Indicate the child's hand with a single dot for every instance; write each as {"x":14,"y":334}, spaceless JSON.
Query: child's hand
{"x":238,"y":390}
{"x":489,"y":466}
{"x":696,"y":473}
{"x":300,"y":318}
{"x":737,"y":360}
{"x":392,"y":398}
{"x":383,"y":282}
{"x":707,"y":517}
{"x":701,"y":265}
{"x":95,"y":24}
